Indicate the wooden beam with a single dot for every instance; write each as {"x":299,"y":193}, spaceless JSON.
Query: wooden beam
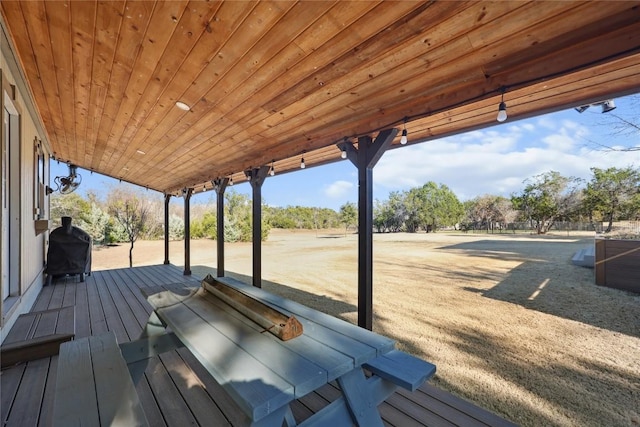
{"x":276,"y":322}
{"x":256,"y":178}
{"x":167,"y":199}
{"x":220,"y":185}
{"x":365,"y":158}
{"x":187,"y":231}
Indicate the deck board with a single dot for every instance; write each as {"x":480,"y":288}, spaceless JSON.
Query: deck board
{"x":46,"y":410}
{"x":176,"y":390}
{"x":83,"y":317}
{"x":26,"y":407}
{"x":174,"y":409}
{"x":10,"y":383}
{"x":149,"y":403}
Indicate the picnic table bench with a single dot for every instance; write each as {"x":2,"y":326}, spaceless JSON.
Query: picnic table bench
{"x":261,"y":372}
{"x":94,"y":387}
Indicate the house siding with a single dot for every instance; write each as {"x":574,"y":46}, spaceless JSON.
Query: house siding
{"x":30,"y":251}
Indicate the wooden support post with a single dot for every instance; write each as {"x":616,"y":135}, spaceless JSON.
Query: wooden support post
{"x":187,"y":231}
{"x":167,"y":198}
{"x":256,"y":179}
{"x":365,"y":158}
{"x":220,"y":185}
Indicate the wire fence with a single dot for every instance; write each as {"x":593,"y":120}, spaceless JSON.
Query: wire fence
{"x":624,"y":228}
{"x":514,"y":227}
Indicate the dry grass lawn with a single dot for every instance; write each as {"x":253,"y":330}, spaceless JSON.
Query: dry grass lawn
{"x":510,"y":323}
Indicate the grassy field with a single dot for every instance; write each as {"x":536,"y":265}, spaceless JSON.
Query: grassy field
{"x":510,"y":323}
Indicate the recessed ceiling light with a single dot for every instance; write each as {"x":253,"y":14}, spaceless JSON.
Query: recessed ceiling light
{"x":140,"y":152}
{"x":181,"y":105}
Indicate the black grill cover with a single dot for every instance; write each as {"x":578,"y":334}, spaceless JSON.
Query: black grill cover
{"x":69,"y":251}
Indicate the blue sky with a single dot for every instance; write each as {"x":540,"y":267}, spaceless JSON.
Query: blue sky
{"x":494,"y":160}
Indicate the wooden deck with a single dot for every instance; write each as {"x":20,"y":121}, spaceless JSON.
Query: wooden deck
{"x":176,"y":390}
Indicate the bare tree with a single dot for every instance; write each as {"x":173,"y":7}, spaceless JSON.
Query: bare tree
{"x":131,"y":211}
{"x":622,"y":124}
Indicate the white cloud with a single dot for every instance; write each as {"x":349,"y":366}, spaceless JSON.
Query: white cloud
{"x":338,"y":189}
{"x":496,"y":160}
{"x":560,"y":141}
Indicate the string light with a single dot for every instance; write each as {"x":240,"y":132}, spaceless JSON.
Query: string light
{"x":272,"y":171}
{"x":302,"y":165}
{"x":343,"y":149}
{"x":403,"y":138}
{"x":502,"y":109}
{"x":230,"y":180}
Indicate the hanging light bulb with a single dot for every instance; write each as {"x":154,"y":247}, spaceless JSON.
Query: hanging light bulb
{"x":302,"y":165}
{"x":230,"y":180}
{"x":502,"y":110}
{"x":403,"y":138}
{"x":343,"y":149}
{"x":272,"y":171}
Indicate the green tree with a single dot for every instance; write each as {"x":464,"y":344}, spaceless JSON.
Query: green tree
{"x":547,"y":198}
{"x":389,"y":215}
{"x":613,"y":192}
{"x":432,"y":206}
{"x":205,"y":227}
{"x":72,"y":205}
{"x":348,"y":215}
{"x":131,"y":211}
{"x":238,"y":218}
{"x":176,"y":227}
{"x":97,"y":223}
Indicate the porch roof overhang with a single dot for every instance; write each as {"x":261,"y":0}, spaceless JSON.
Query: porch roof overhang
{"x":268,"y":81}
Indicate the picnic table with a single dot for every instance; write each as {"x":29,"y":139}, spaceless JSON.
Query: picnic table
{"x":264,"y":373}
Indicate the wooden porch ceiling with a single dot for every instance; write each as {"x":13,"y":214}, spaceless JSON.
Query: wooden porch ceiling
{"x":270,"y":80}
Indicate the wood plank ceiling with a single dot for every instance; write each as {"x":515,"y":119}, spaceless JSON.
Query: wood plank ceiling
{"x":272,"y":80}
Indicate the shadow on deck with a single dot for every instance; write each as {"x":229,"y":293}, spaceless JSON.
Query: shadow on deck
{"x":176,"y":390}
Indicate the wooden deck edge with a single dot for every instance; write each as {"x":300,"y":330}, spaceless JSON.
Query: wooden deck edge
{"x":465,"y":407}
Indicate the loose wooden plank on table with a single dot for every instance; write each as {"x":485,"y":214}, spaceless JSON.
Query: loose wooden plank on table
{"x":275,"y":322}
{"x":379,"y":343}
{"x":334,"y":362}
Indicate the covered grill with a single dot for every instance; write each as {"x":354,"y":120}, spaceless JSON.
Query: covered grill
{"x":69,"y":251}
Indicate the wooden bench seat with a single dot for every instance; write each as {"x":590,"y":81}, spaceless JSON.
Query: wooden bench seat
{"x":402,"y":369}
{"x":38,"y":334}
{"x":94,"y":387}
{"x":391,"y":369}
